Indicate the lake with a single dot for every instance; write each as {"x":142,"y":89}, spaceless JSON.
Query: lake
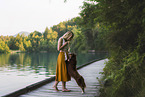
{"x":18,"y":70}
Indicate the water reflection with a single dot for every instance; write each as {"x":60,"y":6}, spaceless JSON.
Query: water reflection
{"x":38,"y":63}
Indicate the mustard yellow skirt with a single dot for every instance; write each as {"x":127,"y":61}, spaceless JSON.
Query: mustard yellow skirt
{"x":61,"y":69}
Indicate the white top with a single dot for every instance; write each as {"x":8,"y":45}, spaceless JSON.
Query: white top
{"x":65,"y":49}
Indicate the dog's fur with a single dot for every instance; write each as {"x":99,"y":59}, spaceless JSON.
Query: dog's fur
{"x":72,"y":71}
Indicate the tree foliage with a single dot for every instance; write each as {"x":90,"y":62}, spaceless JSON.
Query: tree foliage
{"x":3,"y":47}
{"x":85,"y":38}
{"x":124,"y":20}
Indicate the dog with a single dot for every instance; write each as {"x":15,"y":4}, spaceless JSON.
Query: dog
{"x":72,"y":71}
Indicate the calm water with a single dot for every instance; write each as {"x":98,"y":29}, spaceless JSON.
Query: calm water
{"x":22,"y":69}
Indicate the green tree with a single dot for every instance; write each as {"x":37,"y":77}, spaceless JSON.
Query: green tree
{"x":35,"y":39}
{"x":21,"y":47}
{"x":3,"y":47}
{"x":78,"y":44}
{"x":124,"y":20}
{"x":27,"y":45}
{"x":46,"y":33}
{"x":44,"y":45}
{"x":14,"y":42}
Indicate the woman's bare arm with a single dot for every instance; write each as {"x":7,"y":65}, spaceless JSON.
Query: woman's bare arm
{"x":60,"y":46}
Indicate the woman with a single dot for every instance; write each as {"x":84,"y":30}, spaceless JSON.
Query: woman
{"x":61,"y":68}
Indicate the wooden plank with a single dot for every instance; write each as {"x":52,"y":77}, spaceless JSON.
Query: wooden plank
{"x":89,"y":73}
{"x":39,"y":84}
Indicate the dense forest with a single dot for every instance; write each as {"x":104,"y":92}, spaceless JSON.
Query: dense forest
{"x":85,"y":38}
{"x":125,"y":19}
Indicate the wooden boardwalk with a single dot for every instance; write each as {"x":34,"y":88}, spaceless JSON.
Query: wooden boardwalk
{"x":90,"y":74}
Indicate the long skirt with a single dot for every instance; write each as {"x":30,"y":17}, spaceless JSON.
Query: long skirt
{"x":61,"y":69}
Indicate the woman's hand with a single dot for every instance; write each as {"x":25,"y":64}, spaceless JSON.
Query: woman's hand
{"x":69,"y":38}
{"x":68,"y":42}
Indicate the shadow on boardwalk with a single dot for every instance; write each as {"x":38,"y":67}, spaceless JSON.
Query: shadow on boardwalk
{"x":90,"y":74}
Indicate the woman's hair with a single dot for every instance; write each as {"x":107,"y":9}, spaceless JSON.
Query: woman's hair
{"x":68,"y":34}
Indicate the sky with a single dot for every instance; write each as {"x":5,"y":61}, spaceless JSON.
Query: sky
{"x":31,"y":15}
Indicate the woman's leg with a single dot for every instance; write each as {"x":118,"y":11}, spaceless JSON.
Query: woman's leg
{"x":63,"y":85}
{"x":55,"y":85}
{"x":64,"y":89}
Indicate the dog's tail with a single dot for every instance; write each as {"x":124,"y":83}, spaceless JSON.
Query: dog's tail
{"x":81,"y":82}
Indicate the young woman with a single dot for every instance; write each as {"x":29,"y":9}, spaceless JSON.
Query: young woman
{"x":61,"y":68}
